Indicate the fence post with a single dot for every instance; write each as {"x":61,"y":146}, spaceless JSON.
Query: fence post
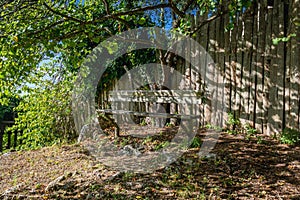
{"x":15,"y":140}
{"x":8,"y":140}
{"x":3,"y":125}
{"x":1,"y":137}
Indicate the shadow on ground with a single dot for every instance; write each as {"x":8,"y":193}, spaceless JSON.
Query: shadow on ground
{"x":242,"y":169}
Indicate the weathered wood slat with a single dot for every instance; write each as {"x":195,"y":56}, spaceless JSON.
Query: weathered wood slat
{"x":253,"y":65}
{"x":293,"y":76}
{"x":241,"y":60}
{"x":226,"y":65}
{"x":267,"y":63}
{"x":160,"y":96}
{"x":1,"y":140}
{"x":247,"y":64}
{"x":234,"y":68}
{"x":120,"y":104}
{"x":239,"y":65}
{"x":260,"y":59}
{"x":147,"y":114}
{"x":185,"y":100}
{"x":179,"y":93}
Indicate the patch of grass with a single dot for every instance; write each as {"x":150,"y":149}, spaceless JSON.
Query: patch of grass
{"x":38,"y":186}
{"x":143,"y":122}
{"x":196,"y":142}
{"x":249,"y":131}
{"x":233,"y":124}
{"x":15,"y":180}
{"x":147,"y":140}
{"x":289,"y":136}
{"x":161,"y":145}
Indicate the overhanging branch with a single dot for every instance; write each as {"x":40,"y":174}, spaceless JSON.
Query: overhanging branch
{"x":207,"y":21}
{"x":130,"y":12}
{"x":61,"y":14}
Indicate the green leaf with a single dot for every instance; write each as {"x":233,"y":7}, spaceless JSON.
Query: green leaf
{"x":276,"y":41}
{"x":142,"y":21}
{"x":111,"y":47}
{"x":96,"y":39}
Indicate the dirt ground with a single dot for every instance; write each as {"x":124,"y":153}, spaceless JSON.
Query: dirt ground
{"x":241,"y":169}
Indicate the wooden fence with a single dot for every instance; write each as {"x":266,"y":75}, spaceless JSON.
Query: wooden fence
{"x":262,"y":79}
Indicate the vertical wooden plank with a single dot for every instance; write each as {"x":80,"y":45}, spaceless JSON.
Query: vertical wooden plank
{"x":268,"y":56}
{"x":239,"y":65}
{"x":244,"y":73}
{"x":222,"y":68}
{"x":218,"y":74}
{"x":216,"y":70}
{"x":8,"y":145}
{"x":1,"y":137}
{"x":296,"y":57}
{"x":15,"y":140}
{"x":253,"y":65}
{"x":213,"y":42}
{"x":272,"y":124}
{"x":198,"y":38}
{"x":281,"y":73}
{"x":227,"y":69}
{"x":193,"y":74}
{"x":209,"y":71}
{"x":233,"y":68}
{"x":260,"y":58}
{"x":294,"y":60}
{"x":204,"y":42}
{"x":276,"y":65}
{"x":286,"y":68}
{"x":288,"y":84}
{"x":247,"y":62}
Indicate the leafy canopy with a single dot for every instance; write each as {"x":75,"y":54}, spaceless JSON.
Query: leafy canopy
{"x":42,"y":38}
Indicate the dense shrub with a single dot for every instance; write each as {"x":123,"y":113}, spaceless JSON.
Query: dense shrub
{"x":44,"y":114}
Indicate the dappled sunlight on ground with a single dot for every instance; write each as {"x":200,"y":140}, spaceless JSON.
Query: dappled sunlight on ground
{"x":241,"y":169}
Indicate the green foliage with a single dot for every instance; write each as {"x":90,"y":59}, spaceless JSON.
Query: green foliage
{"x":143,"y":122}
{"x":283,"y":39}
{"x":32,"y":32}
{"x":196,"y":142}
{"x":249,"y":131}
{"x":161,"y":145}
{"x":44,"y":114}
{"x":6,"y":111}
{"x":289,"y":136}
{"x":233,"y":124}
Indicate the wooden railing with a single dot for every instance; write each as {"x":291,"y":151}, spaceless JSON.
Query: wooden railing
{"x":10,"y":142}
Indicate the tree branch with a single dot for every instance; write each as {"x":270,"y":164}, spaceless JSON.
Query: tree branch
{"x":68,"y":35}
{"x":48,"y":27}
{"x":186,"y":7}
{"x":106,"y":6}
{"x":175,"y":9}
{"x":123,"y":21}
{"x":61,"y":14}
{"x":17,"y":9}
{"x":164,"y":58}
{"x":130,"y":12}
{"x":208,"y":21}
